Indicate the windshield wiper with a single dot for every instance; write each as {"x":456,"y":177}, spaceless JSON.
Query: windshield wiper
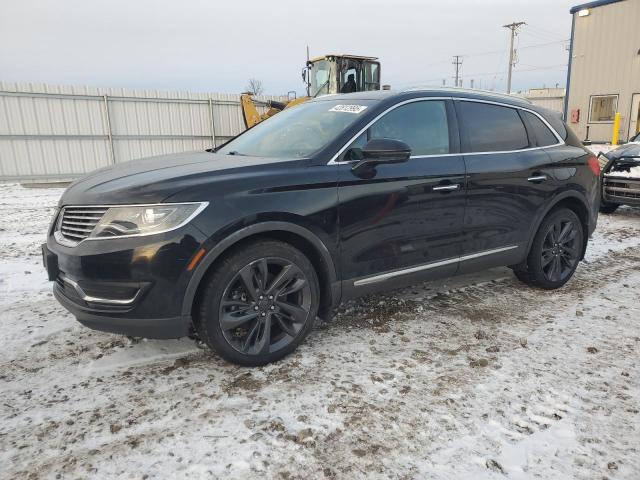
{"x":320,"y":89}
{"x":235,"y":152}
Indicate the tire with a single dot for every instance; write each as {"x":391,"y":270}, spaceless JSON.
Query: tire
{"x":606,"y":207}
{"x":556,"y":251}
{"x":271,"y":296}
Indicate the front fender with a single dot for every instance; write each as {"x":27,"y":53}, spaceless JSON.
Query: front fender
{"x":215,"y":248}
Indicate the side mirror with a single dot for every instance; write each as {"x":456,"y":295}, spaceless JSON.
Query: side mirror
{"x":383,"y":150}
{"x":386,"y":150}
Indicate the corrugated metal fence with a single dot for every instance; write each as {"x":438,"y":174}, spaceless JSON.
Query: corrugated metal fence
{"x":52,"y":132}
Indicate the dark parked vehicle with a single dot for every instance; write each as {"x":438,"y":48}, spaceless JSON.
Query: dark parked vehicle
{"x":340,"y":196}
{"x":621,"y":176}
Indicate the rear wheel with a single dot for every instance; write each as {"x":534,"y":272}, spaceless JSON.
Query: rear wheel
{"x":556,"y":251}
{"x":259,"y":303}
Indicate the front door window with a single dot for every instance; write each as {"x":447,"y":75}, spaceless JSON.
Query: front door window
{"x":421,"y":125}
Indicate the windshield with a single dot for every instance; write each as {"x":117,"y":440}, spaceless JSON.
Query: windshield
{"x":299,"y":131}
{"x":320,"y":77}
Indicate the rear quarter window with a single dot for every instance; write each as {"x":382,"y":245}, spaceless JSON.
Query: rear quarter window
{"x":492,"y":128}
{"x":543,"y":136}
{"x":555,"y":120}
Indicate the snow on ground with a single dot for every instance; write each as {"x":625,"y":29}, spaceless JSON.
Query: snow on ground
{"x":474,"y":377}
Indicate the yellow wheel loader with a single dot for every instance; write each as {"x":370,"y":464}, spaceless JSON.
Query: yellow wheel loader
{"x":328,"y":74}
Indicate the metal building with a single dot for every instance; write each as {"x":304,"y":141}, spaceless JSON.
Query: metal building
{"x":551,"y":98}
{"x":604,"y":69}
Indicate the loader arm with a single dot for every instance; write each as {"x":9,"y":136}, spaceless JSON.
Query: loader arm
{"x":252,"y":116}
{"x":250,"y":113}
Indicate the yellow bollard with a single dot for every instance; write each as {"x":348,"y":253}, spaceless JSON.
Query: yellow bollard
{"x":616,"y":127}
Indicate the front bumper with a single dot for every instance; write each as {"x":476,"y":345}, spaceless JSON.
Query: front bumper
{"x":171,"y":327}
{"x":133,"y":286}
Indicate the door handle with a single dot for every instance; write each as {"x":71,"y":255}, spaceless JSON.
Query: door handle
{"x":447,"y":188}
{"x":537,"y":178}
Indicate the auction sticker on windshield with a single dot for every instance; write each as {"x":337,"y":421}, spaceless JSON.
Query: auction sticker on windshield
{"x":348,"y":108}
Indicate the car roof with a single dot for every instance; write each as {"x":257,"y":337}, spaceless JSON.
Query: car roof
{"x":390,"y":95}
{"x":342,"y":55}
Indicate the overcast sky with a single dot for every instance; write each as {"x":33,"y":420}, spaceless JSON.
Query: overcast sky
{"x":207,"y":45}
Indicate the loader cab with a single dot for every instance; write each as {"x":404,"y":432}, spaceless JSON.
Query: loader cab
{"x":330,"y":74}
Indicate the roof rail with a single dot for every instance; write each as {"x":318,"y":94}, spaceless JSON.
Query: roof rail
{"x":467,"y":90}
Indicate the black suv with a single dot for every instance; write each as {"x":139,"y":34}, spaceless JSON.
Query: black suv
{"x":326,"y":201}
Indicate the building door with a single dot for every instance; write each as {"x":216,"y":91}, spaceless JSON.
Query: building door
{"x":634,"y":118}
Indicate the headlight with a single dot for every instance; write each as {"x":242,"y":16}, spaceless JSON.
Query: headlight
{"x":141,"y":220}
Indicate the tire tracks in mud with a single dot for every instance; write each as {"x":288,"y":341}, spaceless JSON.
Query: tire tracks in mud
{"x":468,"y":304}
{"x":421,"y":350}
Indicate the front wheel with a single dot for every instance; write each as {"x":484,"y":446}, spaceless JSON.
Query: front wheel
{"x":556,"y":251}
{"x":259,"y":303}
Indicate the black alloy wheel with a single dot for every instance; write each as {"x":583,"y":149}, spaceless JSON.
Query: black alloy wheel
{"x":258,"y":303}
{"x":555,"y":252}
{"x":265,"y":306}
{"x":560,"y":254}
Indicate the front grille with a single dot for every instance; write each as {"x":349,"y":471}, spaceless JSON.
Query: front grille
{"x":77,"y":223}
{"x":621,"y":188}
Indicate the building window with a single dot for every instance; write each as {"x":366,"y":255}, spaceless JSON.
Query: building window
{"x":602,"y":108}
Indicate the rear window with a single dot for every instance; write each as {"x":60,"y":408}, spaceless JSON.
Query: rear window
{"x":543,"y":136}
{"x":492,"y":128}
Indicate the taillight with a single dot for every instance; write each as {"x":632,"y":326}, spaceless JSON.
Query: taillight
{"x":593,"y":164}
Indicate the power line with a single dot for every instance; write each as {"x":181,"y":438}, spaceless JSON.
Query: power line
{"x":495,"y":52}
{"x":488,"y":74}
{"x":548,"y":67}
{"x":544,"y":31}
{"x":544,"y":44}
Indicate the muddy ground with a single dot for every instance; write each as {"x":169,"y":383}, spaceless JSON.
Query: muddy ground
{"x":476,"y":377}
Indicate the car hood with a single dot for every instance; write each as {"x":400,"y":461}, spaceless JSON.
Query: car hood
{"x":153,"y":179}
{"x":627,"y":150}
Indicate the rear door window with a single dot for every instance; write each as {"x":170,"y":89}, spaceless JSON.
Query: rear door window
{"x":544,"y":137}
{"x":492,"y":128}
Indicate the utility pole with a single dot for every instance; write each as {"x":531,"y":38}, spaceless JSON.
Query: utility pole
{"x":457,"y":62}
{"x":514,"y":30}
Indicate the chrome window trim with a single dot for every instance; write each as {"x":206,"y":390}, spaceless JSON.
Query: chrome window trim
{"x":108,"y":301}
{"x":427,"y":266}
{"x":561,"y":142}
{"x":553,"y":130}
{"x":63,"y":241}
{"x":364,"y":129}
